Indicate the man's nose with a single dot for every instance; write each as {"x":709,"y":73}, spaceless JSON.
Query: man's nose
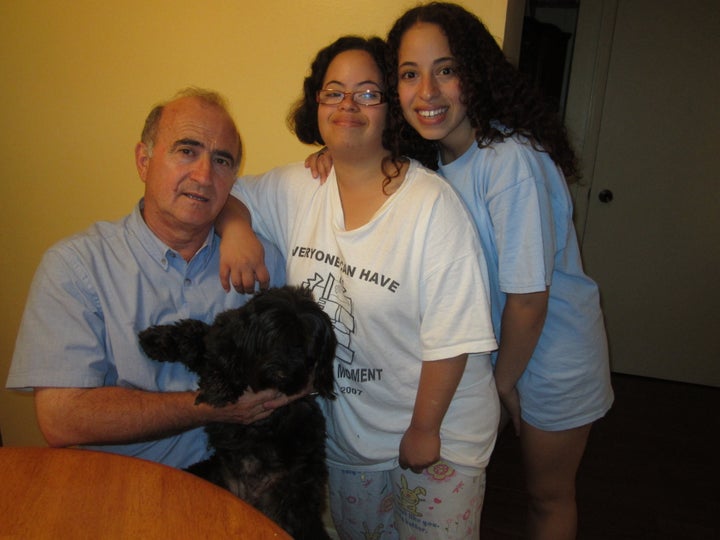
{"x":202,"y":168}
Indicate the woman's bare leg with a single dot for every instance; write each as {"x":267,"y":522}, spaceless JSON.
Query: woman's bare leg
{"x":551,"y":460}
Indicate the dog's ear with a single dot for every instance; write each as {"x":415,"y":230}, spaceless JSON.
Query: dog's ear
{"x":323,"y":377}
{"x":179,"y":342}
{"x":321,"y":344}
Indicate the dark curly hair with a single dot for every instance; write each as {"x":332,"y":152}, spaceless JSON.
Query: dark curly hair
{"x":500,"y":101}
{"x":303,"y":117}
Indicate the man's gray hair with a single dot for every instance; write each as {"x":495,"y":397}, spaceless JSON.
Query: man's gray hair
{"x":149,"y":132}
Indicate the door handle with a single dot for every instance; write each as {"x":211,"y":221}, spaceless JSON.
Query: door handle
{"x":605,"y":196}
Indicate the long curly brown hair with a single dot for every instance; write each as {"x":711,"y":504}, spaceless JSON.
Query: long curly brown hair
{"x":500,"y":101}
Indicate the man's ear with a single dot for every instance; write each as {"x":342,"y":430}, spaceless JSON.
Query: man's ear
{"x":142,"y":159}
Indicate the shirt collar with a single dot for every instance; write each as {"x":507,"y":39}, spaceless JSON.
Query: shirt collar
{"x":160,"y":251}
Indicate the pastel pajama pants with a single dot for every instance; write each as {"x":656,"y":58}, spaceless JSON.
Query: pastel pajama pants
{"x":439,"y":504}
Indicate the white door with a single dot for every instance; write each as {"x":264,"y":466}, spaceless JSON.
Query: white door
{"x":644,"y":106}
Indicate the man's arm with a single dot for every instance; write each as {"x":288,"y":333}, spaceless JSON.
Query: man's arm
{"x":114,"y":415}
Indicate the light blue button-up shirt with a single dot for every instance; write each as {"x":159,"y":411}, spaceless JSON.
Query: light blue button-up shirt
{"x":93,"y":293}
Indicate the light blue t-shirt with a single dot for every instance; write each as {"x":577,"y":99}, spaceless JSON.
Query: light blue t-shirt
{"x":93,"y":293}
{"x":522,"y":209}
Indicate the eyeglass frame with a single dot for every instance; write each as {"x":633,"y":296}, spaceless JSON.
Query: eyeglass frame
{"x":353,"y":94}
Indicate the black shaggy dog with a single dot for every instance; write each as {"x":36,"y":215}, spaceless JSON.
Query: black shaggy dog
{"x":280,"y":339}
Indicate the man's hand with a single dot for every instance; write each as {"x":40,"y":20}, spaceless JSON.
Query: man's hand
{"x":249,"y":408}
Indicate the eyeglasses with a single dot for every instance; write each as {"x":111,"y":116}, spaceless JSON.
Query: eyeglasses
{"x":367,"y":98}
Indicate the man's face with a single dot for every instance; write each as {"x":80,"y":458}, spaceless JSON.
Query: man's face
{"x":189,"y":173}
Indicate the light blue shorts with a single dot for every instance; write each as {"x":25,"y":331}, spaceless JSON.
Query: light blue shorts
{"x":567,"y":400}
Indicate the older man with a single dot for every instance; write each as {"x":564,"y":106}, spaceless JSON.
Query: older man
{"x":93,"y":292}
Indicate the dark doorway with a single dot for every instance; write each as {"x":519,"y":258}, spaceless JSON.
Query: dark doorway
{"x":546,"y":46}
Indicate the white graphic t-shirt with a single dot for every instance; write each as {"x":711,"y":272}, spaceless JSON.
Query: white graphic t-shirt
{"x":408,"y":286}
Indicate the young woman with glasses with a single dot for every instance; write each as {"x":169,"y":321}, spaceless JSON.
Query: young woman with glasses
{"x":390,"y":253}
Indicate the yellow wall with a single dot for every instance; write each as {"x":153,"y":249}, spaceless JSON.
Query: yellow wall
{"x":77,"y":79}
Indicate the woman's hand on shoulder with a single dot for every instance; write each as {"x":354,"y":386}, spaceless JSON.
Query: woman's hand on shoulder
{"x":320,"y":163}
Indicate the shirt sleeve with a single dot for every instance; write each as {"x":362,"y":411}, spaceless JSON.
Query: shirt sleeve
{"x":61,"y":341}
{"x":274,"y":198}
{"x":522,"y":220}
{"x":455,"y":306}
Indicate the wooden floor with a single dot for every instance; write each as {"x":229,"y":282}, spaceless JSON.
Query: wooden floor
{"x":649,"y":472}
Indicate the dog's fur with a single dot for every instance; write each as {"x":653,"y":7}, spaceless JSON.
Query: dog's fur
{"x":280,"y":339}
